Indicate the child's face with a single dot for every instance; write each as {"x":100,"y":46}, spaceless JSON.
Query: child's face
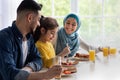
{"x":50,"y":34}
{"x":70,"y":25}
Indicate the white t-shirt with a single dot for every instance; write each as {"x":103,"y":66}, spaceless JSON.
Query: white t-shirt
{"x":25,"y":50}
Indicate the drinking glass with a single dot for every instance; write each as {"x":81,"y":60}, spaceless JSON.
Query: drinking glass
{"x":57,"y":61}
{"x":105,"y":54}
{"x":105,"y":51}
{"x":92,"y":54}
{"x":113,"y":50}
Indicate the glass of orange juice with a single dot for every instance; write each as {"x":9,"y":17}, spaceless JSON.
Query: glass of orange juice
{"x":105,"y":51}
{"x":113,"y":50}
{"x":92,"y":55}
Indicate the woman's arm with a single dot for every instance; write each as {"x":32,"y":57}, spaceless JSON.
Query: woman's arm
{"x":86,"y":46}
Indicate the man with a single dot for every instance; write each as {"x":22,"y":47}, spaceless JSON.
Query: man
{"x":19,"y":58}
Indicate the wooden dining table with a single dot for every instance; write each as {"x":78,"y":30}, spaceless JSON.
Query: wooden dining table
{"x":104,"y":68}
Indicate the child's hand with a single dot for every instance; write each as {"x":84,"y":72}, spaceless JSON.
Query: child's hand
{"x":66,"y":51}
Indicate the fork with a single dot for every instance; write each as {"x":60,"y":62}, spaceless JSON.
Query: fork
{"x":67,"y":57}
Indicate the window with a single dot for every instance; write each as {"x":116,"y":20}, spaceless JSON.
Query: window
{"x":100,"y":18}
{"x":55,"y":8}
{"x":100,"y":22}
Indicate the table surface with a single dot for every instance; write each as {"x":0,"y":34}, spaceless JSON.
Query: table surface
{"x":103,"y":69}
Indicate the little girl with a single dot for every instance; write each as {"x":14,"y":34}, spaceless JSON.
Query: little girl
{"x":43,"y":36}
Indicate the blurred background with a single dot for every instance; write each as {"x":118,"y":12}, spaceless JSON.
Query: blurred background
{"x":100,"y":18}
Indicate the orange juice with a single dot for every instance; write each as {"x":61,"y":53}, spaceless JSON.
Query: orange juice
{"x":92,"y":55}
{"x":113,"y":50}
{"x":105,"y":52}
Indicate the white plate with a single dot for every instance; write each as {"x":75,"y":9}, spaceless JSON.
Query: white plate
{"x":80,"y":59}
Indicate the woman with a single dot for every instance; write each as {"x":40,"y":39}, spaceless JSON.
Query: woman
{"x":43,"y":36}
{"x":68,"y":35}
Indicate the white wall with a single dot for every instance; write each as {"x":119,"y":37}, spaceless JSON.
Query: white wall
{"x":8,"y":12}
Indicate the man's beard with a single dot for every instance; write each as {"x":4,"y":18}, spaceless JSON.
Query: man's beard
{"x":32,"y":31}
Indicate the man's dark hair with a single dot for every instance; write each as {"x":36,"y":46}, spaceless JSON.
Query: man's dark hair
{"x":30,"y":5}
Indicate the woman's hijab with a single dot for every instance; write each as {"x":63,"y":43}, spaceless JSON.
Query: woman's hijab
{"x":70,"y":39}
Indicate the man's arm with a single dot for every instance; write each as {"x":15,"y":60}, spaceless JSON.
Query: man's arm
{"x":33,"y":60}
{"x":8,"y":67}
{"x":51,"y":73}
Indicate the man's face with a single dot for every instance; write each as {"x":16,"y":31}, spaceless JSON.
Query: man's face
{"x":34,"y":22}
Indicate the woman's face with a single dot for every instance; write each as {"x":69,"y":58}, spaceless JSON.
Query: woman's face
{"x":50,"y":34}
{"x":70,"y":25}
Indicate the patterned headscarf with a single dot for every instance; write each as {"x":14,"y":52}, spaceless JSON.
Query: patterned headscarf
{"x":71,"y":39}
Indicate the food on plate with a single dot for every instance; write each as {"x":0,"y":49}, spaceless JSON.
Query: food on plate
{"x":82,"y":55}
{"x":69,"y":70}
{"x":67,"y":63}
{"x":72,"y":69}
{"x":70,"y":63}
